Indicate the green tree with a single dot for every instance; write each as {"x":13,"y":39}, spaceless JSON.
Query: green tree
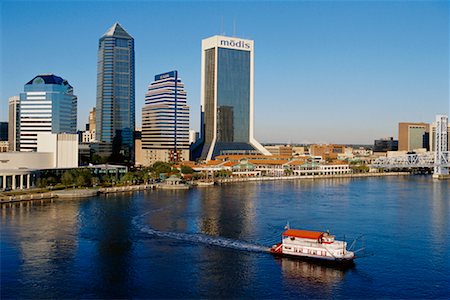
{"x":67,"y":178}
{"x":187,"y":170}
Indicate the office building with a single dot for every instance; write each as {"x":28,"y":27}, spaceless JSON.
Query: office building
{"x":115,"y":115}
{"x":14,"y":123}
{"x":92,"y":121}
{"x":385,"y":145}
{"x":227,"y":99}
{"x":432,"y":145}
{"x":284,"y":150}
{"x":413,"y":136}
{"x":165,"y":121}
{"x":46,"y":105}
{"x":327,"y":151}
{"x":3,"y":131}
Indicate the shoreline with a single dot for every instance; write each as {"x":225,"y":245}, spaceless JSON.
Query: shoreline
{"x":357,"y":175}
{"x":86,"y":193}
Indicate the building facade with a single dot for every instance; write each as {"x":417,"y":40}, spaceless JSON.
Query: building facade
{"x":115,"y":109}
{"x":14,"y":123}
{"x":3,"y":131}
{"x":385,"y":145}
{"x":165,"y":121}
{"x":227,"y":99}
{"x":46,"y":105}
{"x":413,"y":136}
{"x":63,"y":146}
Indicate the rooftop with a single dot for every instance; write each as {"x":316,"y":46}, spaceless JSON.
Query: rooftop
{"x":117,"y":31}
{"x":48,"y":79}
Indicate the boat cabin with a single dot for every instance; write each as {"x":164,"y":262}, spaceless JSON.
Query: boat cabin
{"x":319,"y":237}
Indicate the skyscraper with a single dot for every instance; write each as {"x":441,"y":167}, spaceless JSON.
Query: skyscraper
{"x":413,"y":136}
{"x":115,"y":115}
{"x":46,"y":105}
{"x":227,"y":99}
{"x":165,"y":120}
{"x":14,"y":123}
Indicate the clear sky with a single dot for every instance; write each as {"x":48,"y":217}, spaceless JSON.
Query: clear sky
{"x":325,"y":71}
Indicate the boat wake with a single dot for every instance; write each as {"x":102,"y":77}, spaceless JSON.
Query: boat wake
{"x":200,"y":238}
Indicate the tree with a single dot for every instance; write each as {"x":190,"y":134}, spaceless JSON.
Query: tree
{"x":67,"y":178}
{"x":187,"y":170}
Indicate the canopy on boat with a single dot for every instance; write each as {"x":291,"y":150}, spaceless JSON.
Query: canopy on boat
{"x":304,"y":234}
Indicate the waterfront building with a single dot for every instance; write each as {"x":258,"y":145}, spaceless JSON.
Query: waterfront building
{"x":165,"y":121}
{"x":63,"y":146}
{"x":280,"y":150}
{"x":14,"y":123}
{"x":385,"y":145}
{"x":327,"y":151}
{"x":46,"y":105}
{"x":413,"y":136}
{"x":115,"y":115}
{"x":227,"y":99}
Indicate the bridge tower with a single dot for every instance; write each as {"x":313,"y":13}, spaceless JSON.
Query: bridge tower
{"x":441,"y":151}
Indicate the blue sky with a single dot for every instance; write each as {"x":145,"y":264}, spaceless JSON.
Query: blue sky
{"x":325,"y":71}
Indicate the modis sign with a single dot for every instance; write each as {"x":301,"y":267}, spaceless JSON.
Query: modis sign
{"x":235,"y":44}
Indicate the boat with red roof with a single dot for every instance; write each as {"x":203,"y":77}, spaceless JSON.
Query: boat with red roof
{"x":313,"y":245}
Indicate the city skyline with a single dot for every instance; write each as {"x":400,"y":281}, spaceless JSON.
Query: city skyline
{"x":314,"y":62}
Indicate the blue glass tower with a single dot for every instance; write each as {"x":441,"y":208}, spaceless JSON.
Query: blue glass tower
{"x":227,"y":99}
{"x":46,"y":105}
{"x":115,"y":95}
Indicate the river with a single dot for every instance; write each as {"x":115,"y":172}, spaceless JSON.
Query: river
{"x":210,"y":242}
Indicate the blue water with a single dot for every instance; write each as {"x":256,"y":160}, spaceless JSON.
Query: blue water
{"x":211,"y":242}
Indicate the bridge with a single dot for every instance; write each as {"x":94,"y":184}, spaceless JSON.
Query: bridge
{"x":439,"y":160}
{"x":415,"y":160}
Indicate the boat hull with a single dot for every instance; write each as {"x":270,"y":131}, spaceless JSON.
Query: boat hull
{"x":323,"y":261}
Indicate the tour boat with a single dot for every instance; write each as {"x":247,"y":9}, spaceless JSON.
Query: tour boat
{"x":313,"y":245}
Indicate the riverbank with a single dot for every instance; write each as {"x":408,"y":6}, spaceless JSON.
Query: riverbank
{"x":85,"y":193}
{"x":72,"y":193}
{"x":357,"y":175}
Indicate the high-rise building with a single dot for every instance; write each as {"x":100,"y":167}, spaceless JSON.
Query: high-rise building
{"x":385,"y":145}
{"x":46,"y":105}
{"x":115,"y":115}
{"x":413,"y":136}
{"x":165,"y":121}
{"x":227,"y":99}
{"x":92,"y":120}
{"x":3,"y":131}
{"x":14,"y":123}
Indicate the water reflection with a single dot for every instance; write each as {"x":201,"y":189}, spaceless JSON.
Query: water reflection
{"x":311,"y":275}
{"x":44,"y":233}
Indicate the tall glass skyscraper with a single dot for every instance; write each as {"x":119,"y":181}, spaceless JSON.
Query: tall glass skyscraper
{"x":165,"y":120}
{"x":227,"y":99}
{"x":46,"y":105}
{"x":115,"y":95}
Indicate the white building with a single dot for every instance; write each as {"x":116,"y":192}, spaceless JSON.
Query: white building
{"x":63,"y":146}
{"x":165,"y":121}
{"x":46,"y":105}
